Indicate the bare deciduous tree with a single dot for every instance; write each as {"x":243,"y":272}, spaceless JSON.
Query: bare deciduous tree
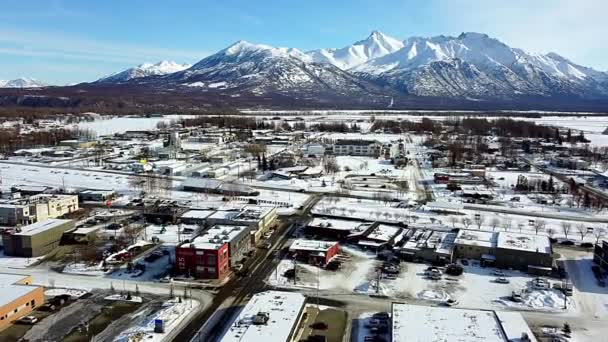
{"x":598,"y":233}
{"x":550,"y":232}
{"x":566,"y":226}
{"x":466,"y":222}
{"x":582,"y":230}
{"x":539,"y":225}
{"x":479,"y":220}
{"x":507,"y":222}
{"x":494,"y":222}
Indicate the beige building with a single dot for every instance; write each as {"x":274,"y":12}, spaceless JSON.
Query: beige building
{"x":36,"y":208}
{"x":53,"y":206}
{"x":35,"y":239}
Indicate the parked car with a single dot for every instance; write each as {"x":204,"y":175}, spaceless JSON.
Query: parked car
{"x":451,"y":302}
{"x":516,"y":297}
{"x":390,"y":269}
{"x":540,"y":284}
{"x":501,"y":280}
{"x":47,"y":307}
{"x":166,"y":280}
{"x":381,"y":315}
{"x":498,"y":273}
{"x":27,"y":320}
{"x":265,"y":245}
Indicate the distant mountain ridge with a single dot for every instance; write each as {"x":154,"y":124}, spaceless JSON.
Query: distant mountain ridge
{"x":470,"y":66}
{"x":22,"y":82}
{"x":468,"y":71}
{"x":145,"y":70}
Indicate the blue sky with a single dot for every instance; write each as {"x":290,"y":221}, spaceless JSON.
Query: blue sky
{"x":71,"y":41}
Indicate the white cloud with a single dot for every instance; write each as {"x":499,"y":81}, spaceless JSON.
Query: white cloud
{"x":577,"y":30}
{"x":23,"y":43}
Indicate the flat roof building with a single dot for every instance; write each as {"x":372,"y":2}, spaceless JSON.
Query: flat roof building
{"x":211,"y":254}
{"x":314,"y":251}
{"x":506,"y":249}
{"x":417,"y":323}
{"x":271,"y":316}
{"x":35,"y":239}
{"x":17,"y":297}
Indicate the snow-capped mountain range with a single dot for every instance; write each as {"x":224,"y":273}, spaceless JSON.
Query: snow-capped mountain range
{"x":375,"y":46}
{"x":379,"y":70}
{"x":144,"y":70}
{"x":472,"y":66}
{"x":22,"y":82}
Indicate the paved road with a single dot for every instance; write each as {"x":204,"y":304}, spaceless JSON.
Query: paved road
{"x":209,"y":325}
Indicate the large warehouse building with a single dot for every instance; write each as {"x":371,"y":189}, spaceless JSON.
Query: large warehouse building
{"x":35,"y":239}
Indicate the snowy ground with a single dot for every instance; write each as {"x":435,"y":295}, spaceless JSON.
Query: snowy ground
{"x":16,"y":262}
{"x":172,"y":313}
{"x":355,"y":275}
{"x":124,"y":298}
{"x":371,"y":210}
{"x":476,"y":288}
{"x":350,"y":168}
{"x":84,"y":269}
{"x":74,"y":293}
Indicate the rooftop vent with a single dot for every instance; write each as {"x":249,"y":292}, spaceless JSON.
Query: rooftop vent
{"x":261,"y":318}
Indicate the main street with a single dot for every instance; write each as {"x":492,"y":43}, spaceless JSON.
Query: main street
{"x":208,"y":325}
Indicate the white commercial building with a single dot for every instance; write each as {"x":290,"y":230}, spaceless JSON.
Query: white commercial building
{"x":417,"y":323}
{"x":270,"y":316}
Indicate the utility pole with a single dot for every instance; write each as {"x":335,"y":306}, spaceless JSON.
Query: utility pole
{"x":378,"y":275}
{"x":295,"y":271}
{"x":318,"y":283}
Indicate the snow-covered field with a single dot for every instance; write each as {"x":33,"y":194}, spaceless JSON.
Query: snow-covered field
{"x":112,"y":125}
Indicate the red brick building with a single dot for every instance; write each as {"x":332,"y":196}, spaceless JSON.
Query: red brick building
{"x":207,"y":262}
{"x":210,"y":255}
{"x":313,"y":251}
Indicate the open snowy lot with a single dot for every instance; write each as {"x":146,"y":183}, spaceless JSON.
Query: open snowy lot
{"x":475,"y":288}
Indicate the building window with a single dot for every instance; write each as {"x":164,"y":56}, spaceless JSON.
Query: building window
{"x":211,"y":259}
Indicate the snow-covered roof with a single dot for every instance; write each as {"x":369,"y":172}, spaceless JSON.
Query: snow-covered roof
{"x":383,"y":232}
{"x":41,"y":226}
{"x":10,"y":291}
{"x":524,"y":242}
{"x":348,"y":225}
{"x":416,"y":323}
{"x":197,"y":214}
{"x":476,"y":238}
{"x":514,"y":325}
{"x":311,"y":245}
{"x":217,"y":236}
{"x":283,"y":310}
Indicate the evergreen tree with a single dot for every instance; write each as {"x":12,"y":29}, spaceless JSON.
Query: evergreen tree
{"x":569,"y":135}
